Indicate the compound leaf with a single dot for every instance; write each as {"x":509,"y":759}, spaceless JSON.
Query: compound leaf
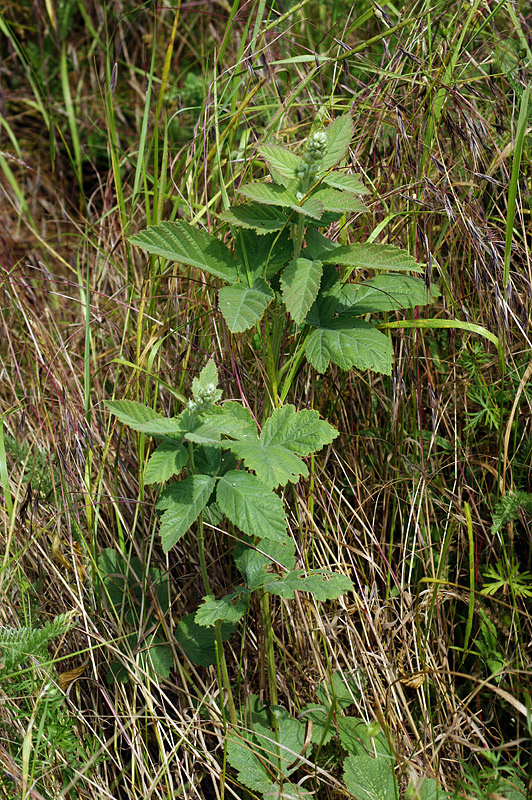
{"x":182,"y":503}
{"x":300,"y":283}
{"x":243,"y":307}
{"x":350,"y":343}
{"x":179,"y":241}
{"x":251,"y":506}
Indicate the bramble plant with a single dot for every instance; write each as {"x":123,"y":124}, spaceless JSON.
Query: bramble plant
{"x":280,"y":258}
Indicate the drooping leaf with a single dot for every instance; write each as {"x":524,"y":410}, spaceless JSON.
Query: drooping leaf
{"x":338,"y":201}
{"x":260,"y":218}
{"x":339,"y":135}
{"x":282,"y":163}
{"x":243,"y":307}
{"x":300,"y":283}
{"x":364,"y":255}
{"x":386,"y":293}
{"x":168,"y":460}
{"x":251,"y":506}
{"x":350,"y":343}
{"x":321,"y":584}
{"x":198,"y":642}
{"x":182,"y":502}
{"x":179,"y":241}
{"x":144,"y":419}
{"x":230,"y":608}
{"x":252,"y":561}
{"x":345,"y":182}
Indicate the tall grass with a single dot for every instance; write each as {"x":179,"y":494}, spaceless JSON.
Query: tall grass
{"x":117,"y":116}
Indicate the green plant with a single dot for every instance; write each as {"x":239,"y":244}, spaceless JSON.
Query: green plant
{"x":281,"y":260}
{"x":203,"y":445}
{"x":493,"y":779}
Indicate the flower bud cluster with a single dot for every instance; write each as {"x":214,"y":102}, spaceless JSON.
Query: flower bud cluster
{"x":314,"y":152}
{"x":204,"y":397}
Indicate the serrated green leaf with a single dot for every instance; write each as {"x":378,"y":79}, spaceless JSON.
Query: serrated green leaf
{"x":230,"y":608}
{"x":322,"y":728}
{"x":355,"y":738}
{"x":321,"y":584}
{"x":282,"y":163}
{"x":168,"y":460}
{"x":339,"y":135}
{"x":208,"y":375}
{"x":301,"y":431}
{"x":270,"y":194}
{"x":252,"y":561}
{"x":317,"y":243}
{"x":386,"y":293}
{"x":338,"y":201}
{"x":243,"y":307}
{"x":235,"y":420}
{"x":367,"y":778}
{"x":144,"y":419}
{"x":312,"y":207}
{"x":286,"y":435}
{"x":157,"y":658}
{"x":199,"y":643}
{"x":260,"y":218}
{"x":300,"y":283}
{"x":182,"y":502}
{"x":429,"y":789}
{"x":350,"y":343}
{"x":249,"y":767}
{"x":364,"y":255}
{"x":203,"y":431}
{"x":346,"y":182}
{"x":251,"y":506}
{"x":178,"y":241}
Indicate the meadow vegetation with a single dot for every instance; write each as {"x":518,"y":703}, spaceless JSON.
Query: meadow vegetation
{"x":265,"y":507}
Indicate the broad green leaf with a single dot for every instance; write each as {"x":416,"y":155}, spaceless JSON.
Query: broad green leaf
{"x":348,"y":183}
{"x":230,"y":608}
{"x":198,"y":642}
{"x":372,"y":256}
{"x":356,"y":739}
{"x":270,"y":194}
{"x":350,"y":343}
{"x":286,"y":435}
{"x":385,"y":293}
{"x":321,"y":584}
{"x":157,"y":657}
{"x":153,"y":656}
{"x":339,"y":135}
{"x":144,"y":419}
{"x":168,"y":460}
{"x":260,"y":218}
{"x":290,"y":740}
{"x":300,"y":283}
{"x":301,"y":431}
{"x":207,"y":459}
{"x":322,"y":729}
{"x":243,"y":307}
{"x":249,"y":767}
{"x":341,"y":202}
{"x":178,"y":241}
{"x":368,"y":778}
{"x":323,"y":310}
{"x":282,"y":163}
{"x":316,"y":244}
{"x":182,"y":503}
{"x":252,"y":561}
{"x":273,"y":195}
{"x":235,"y":420}
{"x":429,"y":789}
{"x":251,"y":506}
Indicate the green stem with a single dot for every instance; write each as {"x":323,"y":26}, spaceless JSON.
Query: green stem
{"x":268,"y":646}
